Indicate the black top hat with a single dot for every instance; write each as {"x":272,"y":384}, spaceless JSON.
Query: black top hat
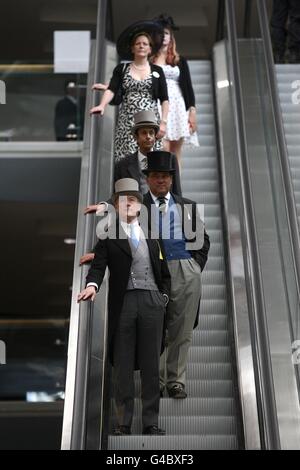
{"x":166,"y":21}
{"x":159,"y":160}
{"x":151,"y":27}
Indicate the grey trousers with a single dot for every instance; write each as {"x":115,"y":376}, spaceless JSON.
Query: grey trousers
{"x":181,"y":315}
{"x":138,"y":339}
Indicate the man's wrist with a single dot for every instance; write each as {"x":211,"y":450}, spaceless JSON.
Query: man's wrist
{"x":92,"y":284}
{"x":101,"y":208}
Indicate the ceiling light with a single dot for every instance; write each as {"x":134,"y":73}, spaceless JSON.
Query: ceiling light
{"x":69,"y":241}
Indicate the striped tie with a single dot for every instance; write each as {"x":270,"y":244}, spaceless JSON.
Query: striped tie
{"x":162,"y":204}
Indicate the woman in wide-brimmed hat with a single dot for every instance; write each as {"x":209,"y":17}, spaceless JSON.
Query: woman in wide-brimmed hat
{"x":137,"y":85}
{"x":181,"y":126}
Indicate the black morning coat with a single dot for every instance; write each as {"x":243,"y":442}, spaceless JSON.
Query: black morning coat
{"x":116,"y":255}
{"x":128,"y":167}
{"x":199,"y":255}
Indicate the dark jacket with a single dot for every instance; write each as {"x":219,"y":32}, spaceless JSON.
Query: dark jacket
{"x":116,"y":255}
{"x":199,"y":255}
{"x":185,"y":83}
{"x":66,"y":113}
{"x":128,"y":167}
{"x":159,"y":84}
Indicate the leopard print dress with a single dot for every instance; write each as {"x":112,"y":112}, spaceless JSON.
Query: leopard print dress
{"x":137,"y":96}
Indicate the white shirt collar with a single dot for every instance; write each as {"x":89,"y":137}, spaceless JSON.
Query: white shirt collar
{"x":127,"y":228}
{"x":155,"y":198}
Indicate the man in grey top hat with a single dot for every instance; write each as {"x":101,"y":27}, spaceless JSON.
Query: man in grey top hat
{"x":144,"y":130}
{"x":131,"y":166}
{"x":139,"y":285}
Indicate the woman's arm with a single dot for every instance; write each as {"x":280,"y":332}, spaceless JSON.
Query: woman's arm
{"x":162,"y":95}
{"x":163,"y":122}
{"x":192,"y":118}
{"x":189,"y":94}
{"x":100,"y":86}
{"x":106,"y":98}
{"x":114,"y":84}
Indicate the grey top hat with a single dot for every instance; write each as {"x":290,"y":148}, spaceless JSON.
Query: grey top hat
{"x":127,"y":186}
{"x":144,"y":119}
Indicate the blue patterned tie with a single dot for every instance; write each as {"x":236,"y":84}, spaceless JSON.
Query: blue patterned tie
{"x":133,"y":235}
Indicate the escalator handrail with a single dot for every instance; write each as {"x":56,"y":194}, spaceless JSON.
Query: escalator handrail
{"x":75,"y":409}
{"x":289,"y":197}
{"x":258,"y":320}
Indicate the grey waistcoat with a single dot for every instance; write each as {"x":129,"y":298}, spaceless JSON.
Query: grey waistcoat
{"x":141,"y":272}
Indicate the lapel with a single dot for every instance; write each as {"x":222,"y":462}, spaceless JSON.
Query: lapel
{"x":148,"y":202}
{"x":134,"y":167}
{"x":121,"y":240}
{"x":185,"y":214}
{"x":152,"y":251}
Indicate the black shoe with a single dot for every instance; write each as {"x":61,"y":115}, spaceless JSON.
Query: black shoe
{"x":122,"y":431}
{"x":161,"y":392}
{"x":154,"y":431}
{"x":177,"y":391}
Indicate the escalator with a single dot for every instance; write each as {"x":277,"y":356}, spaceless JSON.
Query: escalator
{"x":288,"y":76}
{"x":207,"y":419}
{"x":240,"y":359}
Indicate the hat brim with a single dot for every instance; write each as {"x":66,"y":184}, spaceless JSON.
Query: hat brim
{"x":137,"y":194}
{"x":167,"y":25}
{"x":153,"y":28}
{"x":145,"y":124}
{"x":167,"y":22}
{"x":147,"y":171}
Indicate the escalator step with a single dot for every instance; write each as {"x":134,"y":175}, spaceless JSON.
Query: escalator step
{"x":212,"y":442}
{"x":189,"y":425}
{"x":209,"y":354}
{"x":202,"y":388}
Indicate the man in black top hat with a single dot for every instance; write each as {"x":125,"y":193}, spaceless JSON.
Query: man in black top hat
{"x":186,"y":245}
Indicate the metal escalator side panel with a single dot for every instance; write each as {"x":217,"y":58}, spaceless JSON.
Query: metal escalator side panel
{"x":85,"y":383}
{"x":238,"y":287}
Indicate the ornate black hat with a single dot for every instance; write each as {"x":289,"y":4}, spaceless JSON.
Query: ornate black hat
{"x":159,"y":160}
{"x":166,"y":21}
{"x":151,"y":27}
